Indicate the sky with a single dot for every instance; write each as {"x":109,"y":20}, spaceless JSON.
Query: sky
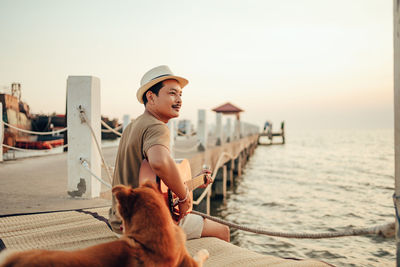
{"x":312,"y":63}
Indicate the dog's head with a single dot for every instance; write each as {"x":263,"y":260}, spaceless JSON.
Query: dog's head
{"x":141,"y":207}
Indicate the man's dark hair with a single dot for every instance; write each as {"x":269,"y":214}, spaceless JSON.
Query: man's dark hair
{"x":155,"y":89}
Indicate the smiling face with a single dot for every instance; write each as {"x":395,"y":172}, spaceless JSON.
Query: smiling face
{"x":167,"y":104}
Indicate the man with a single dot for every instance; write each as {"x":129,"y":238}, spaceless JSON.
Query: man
{"x":147,"y":137}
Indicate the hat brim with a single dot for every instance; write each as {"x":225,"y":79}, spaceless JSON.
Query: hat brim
{"x":139,"y":94}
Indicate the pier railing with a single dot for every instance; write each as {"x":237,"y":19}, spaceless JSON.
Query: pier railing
{"x":224,"y":148}
{"x":84,"y":126}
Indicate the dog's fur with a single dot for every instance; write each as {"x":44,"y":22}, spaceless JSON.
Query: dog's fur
{"x":150,"y":238}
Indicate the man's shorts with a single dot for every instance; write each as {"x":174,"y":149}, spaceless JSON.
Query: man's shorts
{"x":192,"y":225}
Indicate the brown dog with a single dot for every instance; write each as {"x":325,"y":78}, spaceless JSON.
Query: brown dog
{"x":150,"y":238}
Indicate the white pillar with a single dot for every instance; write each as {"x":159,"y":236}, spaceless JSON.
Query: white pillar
{"x":1,"y":132}
{"x":84,"y":92}
{"x":126,"y":119}
{"x":396,"y":74}
{"x":188,"y":129}
{"x":229,"y":129}
{"x":218,"y":128}
{"x":202,"y":129}
{"x":172,"y":130}
{"x":236,"y":130}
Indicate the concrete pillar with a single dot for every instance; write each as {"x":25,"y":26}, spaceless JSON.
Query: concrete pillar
{"x":126,"y":119}
{"x":228,"y":130}
{"x":243,"y":158}
{"x":235,"y":130}
{"x":83,"y":92}
{"x":202,"y":130}
{"x":231,"y":166}
{"x":219,"y":183}
{"x":238,"y":165}
{"x":171,"y":125}
{"x":188,"y":129}
{"x":1,"y":132}
{"x":208,"y":203}
{"x":218,"y":128}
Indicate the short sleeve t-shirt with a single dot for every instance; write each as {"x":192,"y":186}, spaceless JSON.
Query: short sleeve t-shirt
{"x":141,"y":134}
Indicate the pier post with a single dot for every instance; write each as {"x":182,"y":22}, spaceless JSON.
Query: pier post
{"x":238,"y":165}
{"x":224,"y":180}
{"x":230,"y":165}
{"x":202,"y":130}
{"x":208,"y":203}
{"x":218,"y":128}
{"x":236,"y":130}
{"x":83,"y":92}
{"x":187,"y":130}
{"x":126,"y":119}
{"x":1,"y":132}
{"x":396,"y":74}
{"x":228,"y":130}
{"x":219,"y":183}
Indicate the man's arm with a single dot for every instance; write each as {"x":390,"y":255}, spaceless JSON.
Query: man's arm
{"x":165,"y":167}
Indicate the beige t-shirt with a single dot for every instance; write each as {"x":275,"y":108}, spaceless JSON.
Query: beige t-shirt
{"x":141,"y":134}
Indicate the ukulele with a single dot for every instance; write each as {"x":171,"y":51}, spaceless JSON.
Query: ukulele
{"x":146,"y":174}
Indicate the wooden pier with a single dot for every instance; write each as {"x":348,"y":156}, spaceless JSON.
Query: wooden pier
{"x":226,"y":152}
{"x":227,"y":161}
{"x":270,"y":134}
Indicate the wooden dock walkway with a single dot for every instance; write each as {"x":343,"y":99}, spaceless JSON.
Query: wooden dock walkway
{"x":230,"y":158}
{"x":270,"y":134}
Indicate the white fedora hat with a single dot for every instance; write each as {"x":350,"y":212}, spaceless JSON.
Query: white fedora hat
{"x":156,"y":75}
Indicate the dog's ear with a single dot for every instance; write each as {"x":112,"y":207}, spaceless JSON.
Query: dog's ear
{"x":126,"y":198}
{"x":118,"y":188}
{"x":151,"y":185}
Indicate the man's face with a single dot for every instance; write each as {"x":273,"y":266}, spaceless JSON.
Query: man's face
{"x":168,"y":102}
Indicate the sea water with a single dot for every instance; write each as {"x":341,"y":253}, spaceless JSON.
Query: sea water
{"x":319,"y":181}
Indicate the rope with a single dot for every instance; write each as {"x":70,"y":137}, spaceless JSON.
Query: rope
{"x":24,"y":149}
{"x":85,"y":119}
{"x":85,"y":164}
{"x":217,"y":166}
{"x":111,"y":130}
{"x":37,"y":133}
{"x":352,"y":232}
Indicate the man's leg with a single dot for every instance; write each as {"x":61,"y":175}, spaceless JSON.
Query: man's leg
{"x":214,"y":229}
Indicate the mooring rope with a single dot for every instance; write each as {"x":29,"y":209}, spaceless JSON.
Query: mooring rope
{"x":32,"y":132}
{"x":85,"y":120}
{"x":379,"y":229}
{"x":85,"y":164}
{"x":111,"y":130}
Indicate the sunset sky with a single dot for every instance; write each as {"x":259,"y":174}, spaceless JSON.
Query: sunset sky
{"x":312,"y":63}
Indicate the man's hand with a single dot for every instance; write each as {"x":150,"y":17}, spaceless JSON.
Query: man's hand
{"x":185,"y":206}
{"x":207,"y":173}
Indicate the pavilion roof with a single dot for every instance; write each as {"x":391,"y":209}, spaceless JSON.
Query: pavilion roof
{"x":227,"y":108}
